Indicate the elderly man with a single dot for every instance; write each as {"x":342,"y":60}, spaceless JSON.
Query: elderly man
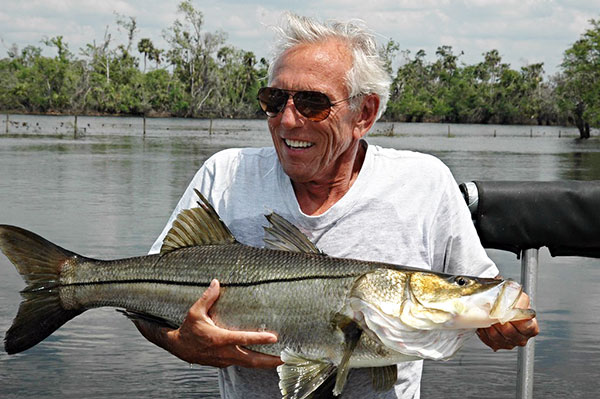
{"x":327,"y":86}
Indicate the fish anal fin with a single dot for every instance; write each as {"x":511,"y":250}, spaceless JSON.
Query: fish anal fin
{"x":299,"y":377}
{"x":197,"y":226}
{"x":384,"y":378}
{"x":283,"y":235}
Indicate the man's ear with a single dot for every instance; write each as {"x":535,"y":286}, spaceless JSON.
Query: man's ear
{"x":366,"y":115}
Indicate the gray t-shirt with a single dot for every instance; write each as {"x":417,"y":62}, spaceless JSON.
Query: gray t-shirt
{"x":404,"y":208}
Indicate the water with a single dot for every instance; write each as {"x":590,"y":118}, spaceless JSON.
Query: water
{"x":109,"y":196}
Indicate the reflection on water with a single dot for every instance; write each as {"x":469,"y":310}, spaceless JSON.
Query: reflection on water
{"x":109,"y":196}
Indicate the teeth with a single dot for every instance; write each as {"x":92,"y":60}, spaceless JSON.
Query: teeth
{"x":298,"y":143}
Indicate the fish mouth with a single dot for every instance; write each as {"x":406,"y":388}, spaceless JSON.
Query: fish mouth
{"x":297,"y":144}
{"x":504,"y":309}
{"x":508,"y":294}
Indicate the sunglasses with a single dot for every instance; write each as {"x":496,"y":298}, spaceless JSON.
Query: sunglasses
{"x":313,"y":105}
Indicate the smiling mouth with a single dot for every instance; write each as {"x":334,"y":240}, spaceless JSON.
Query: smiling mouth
{"x":298,"y":143}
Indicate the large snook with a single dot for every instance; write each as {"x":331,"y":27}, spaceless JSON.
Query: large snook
{"x":330,"y":314}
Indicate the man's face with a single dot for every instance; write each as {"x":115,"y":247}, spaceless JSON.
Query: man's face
{"x":311,"y":151}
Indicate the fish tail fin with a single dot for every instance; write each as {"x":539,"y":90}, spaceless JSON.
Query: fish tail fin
{"x":39,"y":262}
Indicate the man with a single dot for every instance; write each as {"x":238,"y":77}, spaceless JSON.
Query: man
{"x":327,"y":86}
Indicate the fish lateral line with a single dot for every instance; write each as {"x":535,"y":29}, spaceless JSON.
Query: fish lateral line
{"x":202,"y":283}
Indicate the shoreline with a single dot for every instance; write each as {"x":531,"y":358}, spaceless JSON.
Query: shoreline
{"x":133,"y":125}
{"x":258,"y":116}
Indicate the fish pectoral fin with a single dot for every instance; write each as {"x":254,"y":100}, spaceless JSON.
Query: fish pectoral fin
{"x":352,"y":333}
{"x":384,"y":378}
{"x":148,"y":318}
{"x":299,"y":377}
{"x":197,"y":226}
{"x":283,"y":235}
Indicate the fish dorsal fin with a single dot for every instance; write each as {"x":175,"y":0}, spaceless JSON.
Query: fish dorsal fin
{"x":299,"y":377}
{"x":352,"y":333}
{"x":197,"y":226}
{"x":283,"y":235}
{"x":384,"y":378}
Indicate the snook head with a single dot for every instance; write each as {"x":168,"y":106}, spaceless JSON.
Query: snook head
{"x":466,"y":302}
{"x":427,"y":300}
{"x":429,"y":315}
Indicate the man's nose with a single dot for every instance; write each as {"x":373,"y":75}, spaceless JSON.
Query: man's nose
{"x":290,"y":117}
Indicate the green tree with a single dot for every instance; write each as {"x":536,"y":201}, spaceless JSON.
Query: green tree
{"x":115,"y":82}
{"x":445,"y":75}
{"x":36,"y":83}
{"x":14,"y":82}
{"x":192,"y":57}
{"x":388,"y":53}
{"x":410,"y":97}
{"x":146,"y":47}
{"x":579,"y":82}
{"x":238,"y":79}
{"x":490,"y":73}
{"x":531,"y":98}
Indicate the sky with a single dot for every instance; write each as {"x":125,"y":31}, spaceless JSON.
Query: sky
{"x":523,"y":31}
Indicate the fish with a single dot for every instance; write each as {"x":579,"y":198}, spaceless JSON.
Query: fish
{"x":330,"y":314}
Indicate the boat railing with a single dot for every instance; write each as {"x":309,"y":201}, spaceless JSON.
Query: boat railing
{"x":523,"y":216}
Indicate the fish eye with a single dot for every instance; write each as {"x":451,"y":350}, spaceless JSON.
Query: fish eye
{"x":462,"y":281}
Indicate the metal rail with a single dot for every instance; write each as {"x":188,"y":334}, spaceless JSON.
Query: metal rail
{"x":529,"y":274}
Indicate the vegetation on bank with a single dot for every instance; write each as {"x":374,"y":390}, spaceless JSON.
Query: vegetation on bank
{"x":200,"y":75}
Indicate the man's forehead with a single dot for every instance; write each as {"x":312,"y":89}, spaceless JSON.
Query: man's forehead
{"x":331,"y":50}
{"x":331,"y":59}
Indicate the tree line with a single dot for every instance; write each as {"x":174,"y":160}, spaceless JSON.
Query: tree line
{"x":201,"y":75}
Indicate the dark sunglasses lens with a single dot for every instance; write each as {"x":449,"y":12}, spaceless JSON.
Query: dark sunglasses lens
{"x":312,"y":104}
{"x":272,"y":100}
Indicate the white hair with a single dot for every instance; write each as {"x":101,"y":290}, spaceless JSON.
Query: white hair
{"x":367,"y":75}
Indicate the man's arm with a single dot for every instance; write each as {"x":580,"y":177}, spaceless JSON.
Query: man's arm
{"x":511,"y":334}
{"x":200,"y":341}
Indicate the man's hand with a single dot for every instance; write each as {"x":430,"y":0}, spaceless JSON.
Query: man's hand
{"x":511,"y":334}
{"x":200,"y":341}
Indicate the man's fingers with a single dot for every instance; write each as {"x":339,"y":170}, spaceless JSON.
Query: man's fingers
{"x":527,"y":328}
{"x":208,"y":298}
{"x":509,"y":335}
{"x":490,"y":336}
{"x":199,"y":310}
{"x":523,"y":301}
{"x":245,"y":338}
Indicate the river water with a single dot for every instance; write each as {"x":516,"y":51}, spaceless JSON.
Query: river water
{"x":107,"y":190}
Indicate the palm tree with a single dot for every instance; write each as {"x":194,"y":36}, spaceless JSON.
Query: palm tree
{"x":146,"y":47}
